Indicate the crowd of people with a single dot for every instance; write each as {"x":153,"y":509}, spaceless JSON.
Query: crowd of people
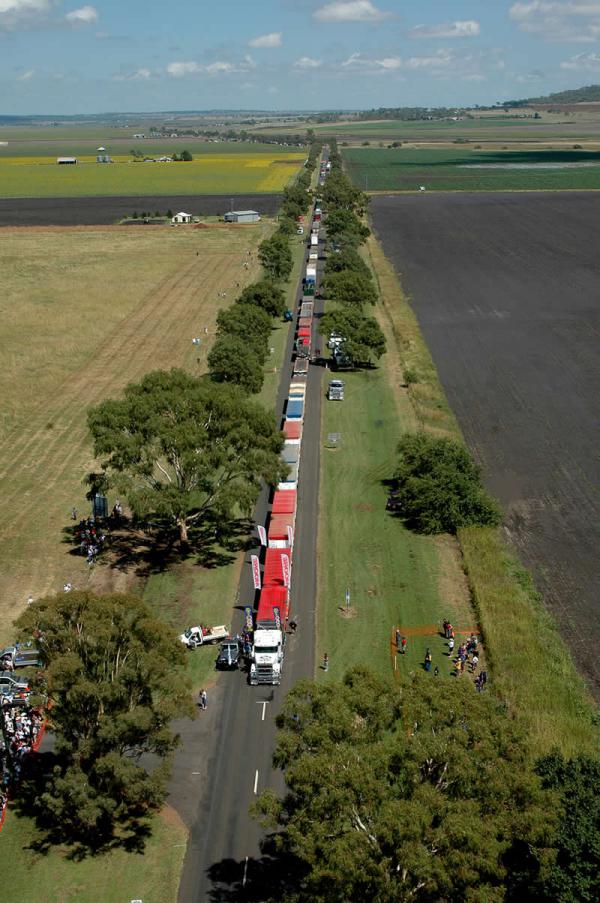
{"x":91,"y":537}
{"x":465,"y":658}
{"x":21,"y":726}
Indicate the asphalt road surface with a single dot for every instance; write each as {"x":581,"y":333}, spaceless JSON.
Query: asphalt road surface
{"x":506,"y":290}
{"x":104,"y":211}
{"x":224,"y":859}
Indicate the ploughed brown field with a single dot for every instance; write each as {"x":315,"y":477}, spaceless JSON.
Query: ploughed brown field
{"x":105,"y":211}
{"x":506,"y":288}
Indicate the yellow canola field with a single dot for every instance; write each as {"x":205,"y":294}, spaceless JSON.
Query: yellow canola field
{"x":206,"y":174}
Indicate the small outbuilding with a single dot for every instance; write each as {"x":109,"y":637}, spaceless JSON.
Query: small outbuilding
{"x":242,"y":216}
{"x":182,"y":218}
{"x":66,"y":161}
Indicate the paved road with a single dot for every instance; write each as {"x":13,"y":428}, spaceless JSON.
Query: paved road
{"x":223,"y":860}
{"x":104,"y":211}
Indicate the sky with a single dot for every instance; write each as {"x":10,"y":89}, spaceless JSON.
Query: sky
{"x":143,"y":55}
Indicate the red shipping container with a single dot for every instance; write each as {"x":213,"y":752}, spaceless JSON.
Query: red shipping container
{"x":284,"y":501}
{"x":304,"y":331}
{"x":273,"y":570}
{"x":278,"y":528}
{"x":292,"y":429}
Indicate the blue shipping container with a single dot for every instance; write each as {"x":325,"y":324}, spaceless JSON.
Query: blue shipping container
{"x":295,"y":409}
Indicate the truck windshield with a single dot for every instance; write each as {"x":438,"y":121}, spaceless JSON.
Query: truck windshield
{"x":267,"y":650}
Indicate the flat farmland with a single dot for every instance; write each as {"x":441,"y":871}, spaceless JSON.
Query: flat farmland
{"x":85,"y":311}
{"x":208,"y":173}
{"x":505,"y":288}
{"x":460,"y":169}
{"x":107,"y":211}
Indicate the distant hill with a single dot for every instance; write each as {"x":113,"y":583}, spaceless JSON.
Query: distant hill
{"x":588,"y":94}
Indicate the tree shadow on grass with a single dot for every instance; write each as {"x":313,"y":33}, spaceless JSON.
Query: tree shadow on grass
{"x":153,"y":546}
{"x":127,"y":832}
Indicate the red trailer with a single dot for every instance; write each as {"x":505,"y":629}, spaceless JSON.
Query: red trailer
{"x":272,"y":597}
{"x":278,"y":528}
{"x":292,"y":429}
{"x":305,"y":321}
{"x":304,"y":332}
{"x":284,"y":501}
{"x":273,"y":570}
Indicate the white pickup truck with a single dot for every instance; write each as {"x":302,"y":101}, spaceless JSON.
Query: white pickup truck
{"x":203,"y":636}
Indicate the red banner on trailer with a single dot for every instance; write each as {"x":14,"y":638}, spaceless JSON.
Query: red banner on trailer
{"x":255,"y":571}
{"x":285,"y":568}
{"x":290,"y":533}
{"x":262,"y":534}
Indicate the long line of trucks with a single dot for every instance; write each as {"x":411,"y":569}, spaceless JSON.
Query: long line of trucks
{"x":267,"y":626}
{"x":273,"y":613}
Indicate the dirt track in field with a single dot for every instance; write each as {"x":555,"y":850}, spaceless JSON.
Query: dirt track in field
{"x":507,"y":291}
{"x":156,"y":335}
{"x":107,"y":210}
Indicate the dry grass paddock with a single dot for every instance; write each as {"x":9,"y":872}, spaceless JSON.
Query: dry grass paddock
{"x":85,"y":312}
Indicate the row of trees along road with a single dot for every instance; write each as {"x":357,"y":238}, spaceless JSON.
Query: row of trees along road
{"x":242,"y":345}
{"x":425,"y":791}
{"x":348,"y":281}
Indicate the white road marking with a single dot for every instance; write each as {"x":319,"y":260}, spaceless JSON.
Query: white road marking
{"x":245,"y":872}
{"x":256,"y":781}
{"x":195,"y":772}
{"x":264,"y":705}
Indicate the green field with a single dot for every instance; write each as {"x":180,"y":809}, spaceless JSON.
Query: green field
{"x":406,"y":169}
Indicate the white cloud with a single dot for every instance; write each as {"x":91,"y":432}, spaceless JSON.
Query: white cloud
{"x":274,"y":39}
{"x":83,"y":16}
{"x":566,"y":22}
{"x":15,"y":13}
{"x":219,"y":67}
{"x":583,"y":61}
{"x":26,"y":76}
{"x":138,"y":75}
{"x":350,"y":11}
{"x":307,"y":62}
{"x":462,"y":29}
{"x":440,"y":60}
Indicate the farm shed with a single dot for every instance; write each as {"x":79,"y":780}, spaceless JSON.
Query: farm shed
{"x":182,"y":218}
{"x":242,"y":216}
{"x":66,"y":161}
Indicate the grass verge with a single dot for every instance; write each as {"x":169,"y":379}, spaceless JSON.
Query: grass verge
{"x":112,"y":878}
{"x":532,"y":668}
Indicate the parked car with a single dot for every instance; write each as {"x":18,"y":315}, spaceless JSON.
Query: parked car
{"x":13,"y":686}
{"x":22,"y":655}
{"x":229,"y":655}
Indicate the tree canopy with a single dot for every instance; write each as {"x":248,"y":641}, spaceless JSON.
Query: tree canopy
{"x":439,"y":486}
{"x":114,"y":676}
{"x":276,"y":257}
{"x":575,"y":876}
{"x":364,"y":339}
{"x":345,"y":228}
{"x":246,"y":321}
{"x":347,"y":259}
{"x":266,"y":295}
{"x":350,"y":287}
{"x":415,"y":792}
{"x":180,"y":447}
{"x":238,"y":361}
{"x":339,"y":192}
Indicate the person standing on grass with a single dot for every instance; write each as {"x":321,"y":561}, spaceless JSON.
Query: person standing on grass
{"x":325,"y":662}
{"x":450,"y":647}
{"x":445,"y":626}
{"x":398,"y":640}
{"x":474,"y":662}
{"x":404,"y":644}
{"x":428,"y":660}
{"x":436,"y":671}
